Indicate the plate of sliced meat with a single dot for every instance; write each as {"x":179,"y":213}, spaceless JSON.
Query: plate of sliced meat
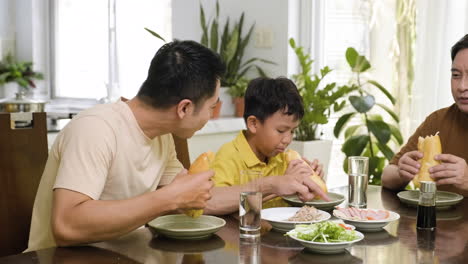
{"x":367,"y":220}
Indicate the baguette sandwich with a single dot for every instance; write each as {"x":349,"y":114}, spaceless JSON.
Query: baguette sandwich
{"x":429,"y":146}
{"x":201,"y":164}
{"x":293,"y":155}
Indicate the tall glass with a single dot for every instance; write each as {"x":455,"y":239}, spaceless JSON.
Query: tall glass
{"x":250,"y":206}
{"x":358,"y":174}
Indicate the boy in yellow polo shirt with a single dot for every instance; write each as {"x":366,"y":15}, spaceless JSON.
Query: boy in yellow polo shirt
{"x":273,"y":109}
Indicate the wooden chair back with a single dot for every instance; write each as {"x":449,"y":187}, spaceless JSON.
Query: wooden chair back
{"x":23,"y":155}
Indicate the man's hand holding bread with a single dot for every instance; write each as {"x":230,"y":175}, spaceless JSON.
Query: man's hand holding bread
{"x":428,"y":164}
{"x":192,"y":188}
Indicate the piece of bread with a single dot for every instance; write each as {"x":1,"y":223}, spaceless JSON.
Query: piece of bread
{"x":429,"y":146}
{"x":201,"y":164}
{"x":293,"y":155}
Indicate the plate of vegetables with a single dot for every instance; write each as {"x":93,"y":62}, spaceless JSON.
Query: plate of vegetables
{"x":325,"y":237}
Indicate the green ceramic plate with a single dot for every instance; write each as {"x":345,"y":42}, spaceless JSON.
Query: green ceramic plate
{"x":443,"y":199}
{"x":185,"y":227}
{"x":335,"y":199}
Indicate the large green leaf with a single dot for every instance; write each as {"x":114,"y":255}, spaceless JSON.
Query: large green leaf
{"x":214,"y":35}
{"x":396,"y":133}
{"x":351,"y":130}
{"x":204,"y":39}
{"x":388,"y":153}
{"x":341,"y":123}
{"x":380,"y":130}
{"x":390,"y":112}
{"x":385,"y":91}
{"x":155,"y":34}
{"x":362,"y":104}
{"x":231,"y":47}
{"x":357,"y":62}
{"x":355,"y":145}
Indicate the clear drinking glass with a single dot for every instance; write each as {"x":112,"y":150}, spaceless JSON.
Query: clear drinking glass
{"x":358,"y":174}
{"x":250,"y":206}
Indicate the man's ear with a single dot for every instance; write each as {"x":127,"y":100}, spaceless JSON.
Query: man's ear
{"x":184,"y":108}
{"x":252,"y":124}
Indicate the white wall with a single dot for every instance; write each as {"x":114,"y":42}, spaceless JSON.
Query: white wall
{"x":7,"y":26}
{"x":24,"y":32}
{"x":268,"y":15}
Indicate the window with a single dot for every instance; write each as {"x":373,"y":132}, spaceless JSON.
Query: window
{"x":327,"y":28}
{"x":100,"y":48}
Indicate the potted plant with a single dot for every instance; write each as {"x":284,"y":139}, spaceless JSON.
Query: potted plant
{"x":319,"y":102}
{"x":18,"y":73}
{"x":372,"y":136}
{"x":231,"y":45}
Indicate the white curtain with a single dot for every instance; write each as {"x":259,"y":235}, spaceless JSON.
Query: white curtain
{"x":439,"y":25}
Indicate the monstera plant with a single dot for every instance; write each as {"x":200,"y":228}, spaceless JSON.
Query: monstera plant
{"x":374,"y":133}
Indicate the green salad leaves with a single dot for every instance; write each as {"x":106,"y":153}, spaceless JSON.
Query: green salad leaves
{"x":325,"y":232}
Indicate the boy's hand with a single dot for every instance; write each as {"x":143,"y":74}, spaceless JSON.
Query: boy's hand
{"x":316,"y":166}
{"x":191,"y":191}
{"x":296,"y":180}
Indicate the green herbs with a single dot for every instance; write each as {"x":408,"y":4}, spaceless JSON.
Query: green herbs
{"x":325,"y":232}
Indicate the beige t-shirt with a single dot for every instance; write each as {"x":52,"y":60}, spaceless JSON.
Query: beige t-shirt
{"x":103,"y":154}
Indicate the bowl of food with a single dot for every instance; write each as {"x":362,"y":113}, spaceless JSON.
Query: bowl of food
{"x":368,"y":220}
{"x":326,"y":237}
{"x":284,"y":219}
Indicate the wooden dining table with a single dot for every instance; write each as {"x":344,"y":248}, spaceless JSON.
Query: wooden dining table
{"x":399,"y":242}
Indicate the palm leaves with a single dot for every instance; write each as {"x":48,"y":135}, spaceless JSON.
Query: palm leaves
{"x":231,"y":45}
{"x":373,"y":134}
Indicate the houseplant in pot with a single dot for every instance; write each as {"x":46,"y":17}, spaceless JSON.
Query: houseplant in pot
{"x":374,"y":135}
{"x":231,"y":43}
{"x":16,"y":80}
{"x":320,"y":100}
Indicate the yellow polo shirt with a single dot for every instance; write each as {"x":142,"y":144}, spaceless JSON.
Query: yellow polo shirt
{"x":236,"y":156}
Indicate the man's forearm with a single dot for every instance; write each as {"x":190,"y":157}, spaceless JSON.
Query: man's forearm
{"x":97,"y":220}
{"x":391,"y":178}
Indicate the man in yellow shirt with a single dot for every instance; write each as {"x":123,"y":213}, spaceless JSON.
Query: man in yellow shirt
{"x":273,"y":109}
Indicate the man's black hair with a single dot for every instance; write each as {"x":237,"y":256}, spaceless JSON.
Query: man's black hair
{"x":461,"y":44}
{"x":266,"y":96}
{"x":181,"y":70}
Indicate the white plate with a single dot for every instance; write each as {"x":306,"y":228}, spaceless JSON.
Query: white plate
{"x":328,"y":248}
{"x":370,"y":225}
{"x":278,"y":217}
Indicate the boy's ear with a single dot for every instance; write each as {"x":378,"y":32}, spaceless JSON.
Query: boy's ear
{"x":252,"y":123}
{"x":184,"y":108}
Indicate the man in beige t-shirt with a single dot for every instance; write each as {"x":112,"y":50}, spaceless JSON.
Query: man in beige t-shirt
{"x":113,"y":168}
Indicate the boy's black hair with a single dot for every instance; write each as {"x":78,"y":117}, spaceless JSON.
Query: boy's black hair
{"x":181,"y":70}
{"x":266,"y":96}
{"x":461,"y":44}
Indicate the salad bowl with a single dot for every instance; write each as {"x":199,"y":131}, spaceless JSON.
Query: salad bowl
{"x":302,"y":234}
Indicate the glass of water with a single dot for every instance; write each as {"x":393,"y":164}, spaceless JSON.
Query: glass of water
{"x":358,"y":174}
{"x":250,"y":206}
